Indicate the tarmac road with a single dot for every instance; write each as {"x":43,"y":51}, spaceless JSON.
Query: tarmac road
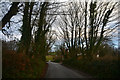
{"x":56,"y":70}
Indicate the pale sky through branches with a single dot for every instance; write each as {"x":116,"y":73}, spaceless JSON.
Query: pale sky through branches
{"x":14,"y":29}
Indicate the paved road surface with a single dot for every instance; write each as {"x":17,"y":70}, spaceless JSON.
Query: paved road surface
{"x":56,"y":70}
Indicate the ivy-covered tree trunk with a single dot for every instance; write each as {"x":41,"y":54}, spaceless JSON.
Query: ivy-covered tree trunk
{"x":40,"y":40}
{"x":26,"y":28}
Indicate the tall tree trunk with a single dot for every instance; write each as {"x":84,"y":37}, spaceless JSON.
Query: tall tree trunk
{"x":85,"y":34}
{"x":26,"y":28}
{"x":40,"y":41}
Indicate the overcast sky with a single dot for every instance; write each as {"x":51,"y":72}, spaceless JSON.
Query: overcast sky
{"x":14,"y":32}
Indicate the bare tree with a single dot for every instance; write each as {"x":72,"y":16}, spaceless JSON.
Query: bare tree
{"x":86,"y":25}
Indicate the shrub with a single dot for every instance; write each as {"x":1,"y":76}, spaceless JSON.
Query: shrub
{"x":18,"y":65}
{"x":97,"y":68}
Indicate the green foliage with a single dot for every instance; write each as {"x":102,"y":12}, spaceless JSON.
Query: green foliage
{"x":52,"y":53}
{"x":57,"y":60}
{"x":51,"y":58}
